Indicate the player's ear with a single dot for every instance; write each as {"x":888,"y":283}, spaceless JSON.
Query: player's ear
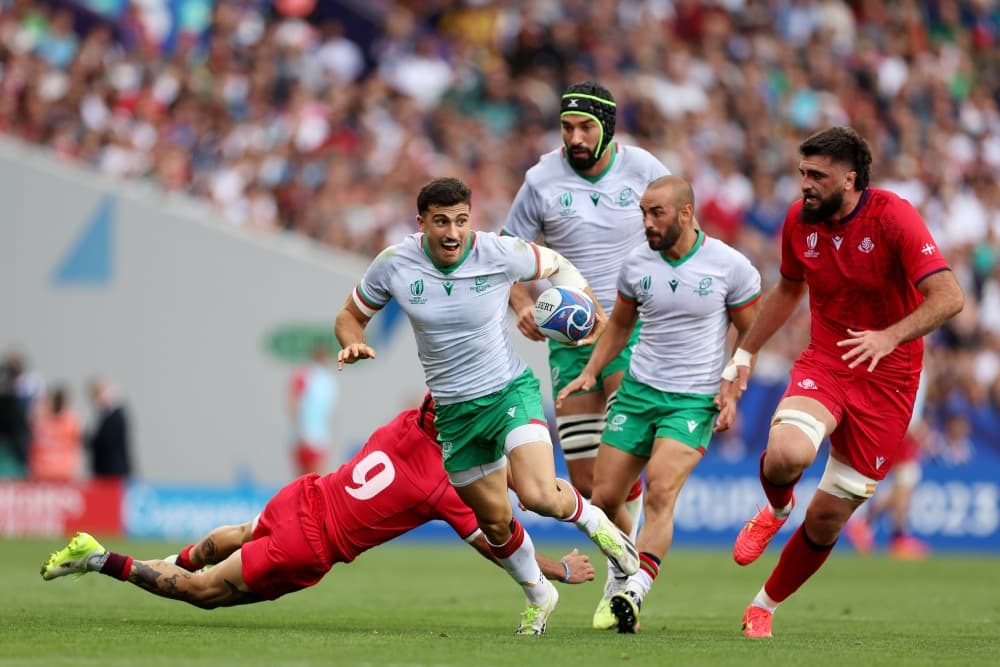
{"x":852,"y":177}
{"x":420,"y":222}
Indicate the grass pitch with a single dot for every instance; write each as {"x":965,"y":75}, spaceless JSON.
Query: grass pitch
{"x":411,"y":604}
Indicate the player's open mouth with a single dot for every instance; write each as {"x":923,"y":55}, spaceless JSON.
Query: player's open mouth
{"x":450,"y":246}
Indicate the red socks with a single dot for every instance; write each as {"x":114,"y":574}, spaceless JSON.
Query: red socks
{"x":799,"y":560}
{"x":118,"y":566}
{"x":507,"y":549}
{"x":184,"y":559}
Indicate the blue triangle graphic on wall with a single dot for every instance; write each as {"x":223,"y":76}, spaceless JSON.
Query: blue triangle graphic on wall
{"x":90,"y":259}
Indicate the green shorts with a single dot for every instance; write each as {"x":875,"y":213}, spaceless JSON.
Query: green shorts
{"x":643,"y":413}
{"x":472,"y":433}
{"x":567,"y":361}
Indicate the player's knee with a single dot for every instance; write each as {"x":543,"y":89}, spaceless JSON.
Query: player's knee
{"x":661,"y":496}
{"x":539,"y":498}
{"x":795,"y":437}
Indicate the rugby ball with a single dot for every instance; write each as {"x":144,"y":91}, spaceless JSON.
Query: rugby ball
{"x":564,"y":314}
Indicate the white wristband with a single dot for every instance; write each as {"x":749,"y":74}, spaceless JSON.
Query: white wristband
{"x":740,"y":358}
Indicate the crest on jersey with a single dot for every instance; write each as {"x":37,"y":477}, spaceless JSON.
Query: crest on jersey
{"x":626,"y":197}
{"x":811,"y":240}
{"x":866,"y":245}
{"x":704,"y":286}
{"x":481,"y":284}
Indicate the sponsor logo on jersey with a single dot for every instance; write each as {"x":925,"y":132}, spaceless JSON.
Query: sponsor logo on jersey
{"x":626,"y":197}
{"x":617,"y":422}
{"x":511,"y":411}
{"x":692,"y":425}
{"x":481,"y":284}
{"x":811,"y":242}
{"x":566,"y":200}
{"x":447,"y":285}
{"x":446,"y":448}
{"x":879,"y":460}
{"x":928,"y":249}
{"x":808,"y":383}
{"x":595,"y":197}
{"x":837,"y":240}
{"x":417,"y":290}
{"x":673,"y":284}
{"x":704,"y":286}
{"x":866,"y":245}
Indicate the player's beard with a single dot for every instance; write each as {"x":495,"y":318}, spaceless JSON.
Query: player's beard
{"x":665,"y":240}
{"x":581,"y":162}
{"x":824,"y":210}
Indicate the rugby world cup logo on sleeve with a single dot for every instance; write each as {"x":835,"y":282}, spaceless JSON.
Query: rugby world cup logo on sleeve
{"x":811,"y":240}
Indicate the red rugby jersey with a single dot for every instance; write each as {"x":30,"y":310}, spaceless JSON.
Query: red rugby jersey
{"x":862,"y":272}
{"x":394,"y":484}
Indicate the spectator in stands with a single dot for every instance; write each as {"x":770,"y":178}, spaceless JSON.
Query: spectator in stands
{"x":56,"y":452}
{"x":15,"y":428}
{"x":109,"y":439}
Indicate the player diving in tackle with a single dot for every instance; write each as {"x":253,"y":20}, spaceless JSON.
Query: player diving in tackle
{"x":393,"y":485}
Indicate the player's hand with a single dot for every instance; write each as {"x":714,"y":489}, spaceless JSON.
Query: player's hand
{"x":600,"y":324}
{"x":352,"y":353}
{"x":725,"y":401}
{"x":526,"y":323}
{"x":867,"y":346}
{"x":580,"y":569}
{"x":584,"y":381}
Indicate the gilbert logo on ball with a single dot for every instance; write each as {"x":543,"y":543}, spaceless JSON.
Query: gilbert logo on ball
{"x":564,"y":314}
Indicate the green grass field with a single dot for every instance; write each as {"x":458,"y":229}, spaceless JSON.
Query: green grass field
{"x":411,"y":604}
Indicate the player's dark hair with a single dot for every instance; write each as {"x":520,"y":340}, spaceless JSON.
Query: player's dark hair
{"x":843,"y":145}
{"x":446,"y":191}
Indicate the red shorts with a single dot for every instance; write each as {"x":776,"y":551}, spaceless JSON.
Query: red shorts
{"x":872,"y":414}
{"x":289,"y":550}
{"x":308,"y":458}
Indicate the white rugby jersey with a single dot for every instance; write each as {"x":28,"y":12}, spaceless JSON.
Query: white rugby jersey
{"x":457,"y":312}
{"x":593,"y":223}
{"x":684,"y":307}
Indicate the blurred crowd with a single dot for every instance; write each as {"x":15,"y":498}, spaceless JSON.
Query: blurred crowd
{"x":42,"y":434}
{"x":323,"y":119}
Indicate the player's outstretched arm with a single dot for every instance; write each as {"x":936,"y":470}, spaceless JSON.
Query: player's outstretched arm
{"x":220,"y":586}
{"x":573,"y":568}
{"x":350,"y":331}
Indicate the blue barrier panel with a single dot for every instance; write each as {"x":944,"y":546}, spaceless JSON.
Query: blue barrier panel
{"x":188,"y":512}
{"x":954,"y":508}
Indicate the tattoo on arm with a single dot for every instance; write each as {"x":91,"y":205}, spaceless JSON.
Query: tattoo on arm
{"x":174,"y":586}
{"x":209,"y":551}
